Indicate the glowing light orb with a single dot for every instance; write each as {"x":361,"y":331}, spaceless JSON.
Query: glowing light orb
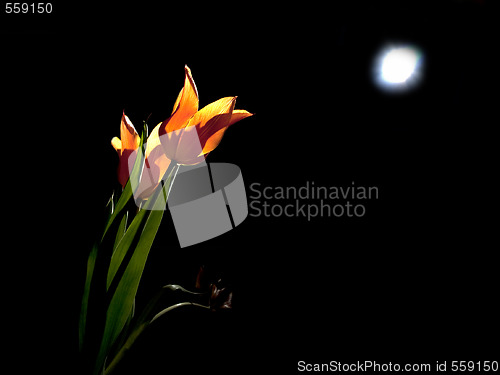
{"x":398,"y":69}
{"x":399,"y":64}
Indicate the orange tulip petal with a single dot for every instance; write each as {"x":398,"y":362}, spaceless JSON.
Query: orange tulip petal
{"x":189,"y":149}
{"x":185,"y":145}
{"x":237,"y":115}
{"x":213,"y":141}
{"x":213,"y":117}
{"x":129,"y":138}
{"x":177,"y":101}
{"x":125,"y":147}
{"x":212,"y":121}
{"x":185,"y":107}
{"x":188,"y":134}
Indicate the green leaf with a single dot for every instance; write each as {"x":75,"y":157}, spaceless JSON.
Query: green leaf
{"x":121,"y":230}
{"x":138,"y":238}
{"x":115,"y":206}
{"x":123,"y":246}
{"x":122,"y":301}
{"x":83,"y":313}
{"x":145,"y":129}
{"x":127,"y":241}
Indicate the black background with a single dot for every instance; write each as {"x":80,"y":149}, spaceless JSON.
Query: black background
{"x":415,"y":278}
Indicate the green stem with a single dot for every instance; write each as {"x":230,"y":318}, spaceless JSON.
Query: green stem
{"x":136,"y":333}
{"x":127,"y":264}
{"x":161,"y":313}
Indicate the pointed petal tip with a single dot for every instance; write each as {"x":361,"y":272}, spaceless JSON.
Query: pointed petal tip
{"x":243,"y":112}
{"x":238,"y":115}
{"x":125,"y":117}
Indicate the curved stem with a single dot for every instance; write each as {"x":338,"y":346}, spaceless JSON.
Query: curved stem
{"x":175,"y":287}
{"x":176,"y":306}
{"x":136,"y":333}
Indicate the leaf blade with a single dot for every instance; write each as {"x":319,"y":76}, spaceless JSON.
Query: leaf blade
{"x":85,"y":298}
{"x":122,"y":301}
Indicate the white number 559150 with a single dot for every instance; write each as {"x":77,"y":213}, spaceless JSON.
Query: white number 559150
{"x":28,"y":8}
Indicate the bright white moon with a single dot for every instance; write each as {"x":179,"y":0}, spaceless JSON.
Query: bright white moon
{"x":399,"y":64}
{"x":398,"y":69}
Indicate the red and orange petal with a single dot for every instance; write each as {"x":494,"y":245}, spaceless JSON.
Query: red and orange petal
{"x":214,"y":139}
{"x":185,"y":145}
{"x":130,"y":140}
{"x":203,"y":132}
{"x":185,"y":106}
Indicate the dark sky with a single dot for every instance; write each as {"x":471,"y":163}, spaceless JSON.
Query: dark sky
{"x":416,"y":272}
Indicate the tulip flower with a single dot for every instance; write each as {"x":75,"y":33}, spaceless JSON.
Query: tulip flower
{"x":188,"y":135}
{"x":156,"y":162}
{"x":125,"y":147}
{"x":117,"y":259}
{"x":220,"y":294}
{"x":221,"y":297}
